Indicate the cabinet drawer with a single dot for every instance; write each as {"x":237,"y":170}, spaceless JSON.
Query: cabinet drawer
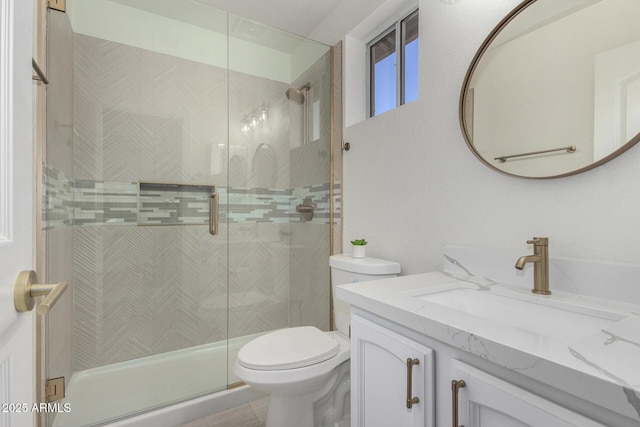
{"x":487,"y":401}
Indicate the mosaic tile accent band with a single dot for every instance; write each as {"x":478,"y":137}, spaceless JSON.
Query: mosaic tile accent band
{"x":105,"y":202}
{"x":57,"y":199}
{"x":173,"y":204}
{"x":85,"y":202}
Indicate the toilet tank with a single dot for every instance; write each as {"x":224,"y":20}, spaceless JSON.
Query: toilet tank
{"x":346,"y":269}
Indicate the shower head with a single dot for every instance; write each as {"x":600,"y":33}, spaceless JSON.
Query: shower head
{"x":295,"y":95}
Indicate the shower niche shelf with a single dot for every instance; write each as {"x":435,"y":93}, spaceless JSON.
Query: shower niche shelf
{"x":161,"y":203}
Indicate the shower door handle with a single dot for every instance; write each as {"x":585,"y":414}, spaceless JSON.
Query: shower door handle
{"x":26,"y":289}
{"x":213,"y":214}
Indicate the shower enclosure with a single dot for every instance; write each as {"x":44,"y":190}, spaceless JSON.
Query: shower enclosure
{"x":164,"y":118}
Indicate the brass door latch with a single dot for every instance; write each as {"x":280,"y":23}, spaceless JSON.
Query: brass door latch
{"x":26,"y":289}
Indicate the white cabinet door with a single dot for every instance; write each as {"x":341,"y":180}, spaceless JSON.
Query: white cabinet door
{"x":487,"y":401}
{"x":16,"y":212}
{"x":379,"y":378}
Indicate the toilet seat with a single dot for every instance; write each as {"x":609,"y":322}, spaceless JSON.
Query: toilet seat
{"x":299,"y":381}
{"x":286,"y":349}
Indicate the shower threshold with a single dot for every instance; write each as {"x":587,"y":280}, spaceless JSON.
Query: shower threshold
{"x":102,"y":395}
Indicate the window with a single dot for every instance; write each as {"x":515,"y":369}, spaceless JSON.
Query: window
{"x":393,"y":66}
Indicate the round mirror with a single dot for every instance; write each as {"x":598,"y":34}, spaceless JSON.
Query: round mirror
{"x":555,"y":88}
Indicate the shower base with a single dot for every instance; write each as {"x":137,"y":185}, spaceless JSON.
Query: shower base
{"x":160,"y":390}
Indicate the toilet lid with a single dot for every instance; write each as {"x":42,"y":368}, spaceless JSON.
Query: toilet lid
{"x":288,"y":349}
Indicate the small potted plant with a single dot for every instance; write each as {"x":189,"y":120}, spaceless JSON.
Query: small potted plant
{"x":358,"y":248}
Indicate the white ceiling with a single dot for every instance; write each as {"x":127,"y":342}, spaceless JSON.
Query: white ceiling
{"x":296,"y":16}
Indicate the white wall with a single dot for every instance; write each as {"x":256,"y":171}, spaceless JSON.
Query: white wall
{"x":193,"y":31}
{"x":411,"y":185}
{"x":139,"y":28}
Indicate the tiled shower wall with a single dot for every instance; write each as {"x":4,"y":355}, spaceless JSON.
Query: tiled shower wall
{"x":142,"y":290}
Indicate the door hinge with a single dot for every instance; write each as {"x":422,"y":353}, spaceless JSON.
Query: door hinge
{"x":60,"y":5}
{"x":54,"y":389}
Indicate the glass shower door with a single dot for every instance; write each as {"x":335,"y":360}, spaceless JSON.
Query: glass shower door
{"x":137,"y":115}
{"x":279,"y":158}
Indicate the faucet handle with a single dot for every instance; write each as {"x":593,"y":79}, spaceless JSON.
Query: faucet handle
{"x":539,"y":241}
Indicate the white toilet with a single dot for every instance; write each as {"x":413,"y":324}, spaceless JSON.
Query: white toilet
{"x":305,"y":370}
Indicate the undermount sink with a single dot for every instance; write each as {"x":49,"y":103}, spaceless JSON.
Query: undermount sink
{"x":543,"y":315}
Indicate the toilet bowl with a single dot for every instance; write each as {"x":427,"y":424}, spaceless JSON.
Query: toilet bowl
{"x":306,"y":371}
{"x":297,"y":380}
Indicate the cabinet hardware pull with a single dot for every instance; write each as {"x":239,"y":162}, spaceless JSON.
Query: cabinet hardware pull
{"x":213,"y":214}
{"x":414,"y":399}
{"x":455,"y":386}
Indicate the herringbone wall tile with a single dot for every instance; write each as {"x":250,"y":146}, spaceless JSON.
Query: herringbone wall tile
{"x":144,"y":290}
{"x":262,"y":154}
{"x":258,"y":279}
{"x":310,"y":160}
{"x":309,"y":275}
{"x":142,"y":115}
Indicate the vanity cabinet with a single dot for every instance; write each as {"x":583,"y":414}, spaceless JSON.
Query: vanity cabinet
{"x":391,"y":378}
{"x":380,"y":381}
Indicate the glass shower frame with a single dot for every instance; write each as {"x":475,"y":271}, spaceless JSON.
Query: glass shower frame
{"x":152,"y":292}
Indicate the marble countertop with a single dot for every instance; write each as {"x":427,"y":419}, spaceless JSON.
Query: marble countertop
{"x":601,"y":366}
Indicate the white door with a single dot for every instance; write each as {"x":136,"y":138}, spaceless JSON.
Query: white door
{"x":488,"y":401}
{"x":380,"y":378}
{"x":16,"y":210}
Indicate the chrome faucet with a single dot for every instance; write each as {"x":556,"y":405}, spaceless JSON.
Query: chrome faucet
{"x":540,"y":258}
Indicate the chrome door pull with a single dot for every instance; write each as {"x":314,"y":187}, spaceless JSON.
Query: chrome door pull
{"x":26,"y":289}
{"x":455,"y":386}
{"x":213,"y":214}
{"x":411,"y":399}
